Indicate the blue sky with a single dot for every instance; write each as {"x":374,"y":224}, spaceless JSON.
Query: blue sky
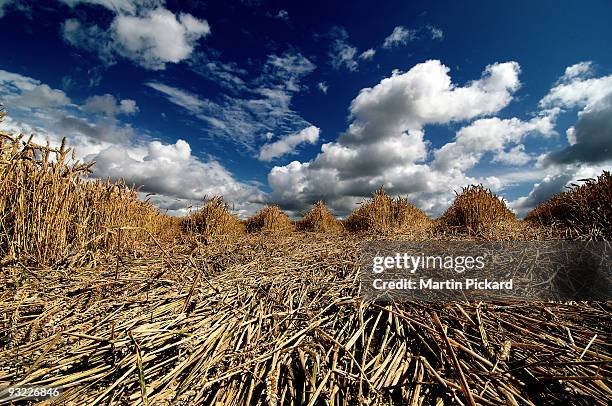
{"x":291,"y":102}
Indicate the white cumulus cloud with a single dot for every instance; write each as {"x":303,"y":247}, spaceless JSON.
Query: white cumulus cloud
{"x":158,"y":37}
{"x":385,"y":143}
{"x":426,"y":95}
{"x":41,"y":96}
{"x":144,"y":32}
{"x":170,"y":170}
{"x":577,"y":90}
{"x":491,"y":135}
{"x":590,"y":138}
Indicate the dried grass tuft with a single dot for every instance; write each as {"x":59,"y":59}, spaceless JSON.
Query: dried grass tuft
{"x":319,"y":219}
{"x":270,"y":219}
{"x":213,"y":220}
{"x":383,"y":214}
{"x":584,"y":211}
{"x":476,"y":211}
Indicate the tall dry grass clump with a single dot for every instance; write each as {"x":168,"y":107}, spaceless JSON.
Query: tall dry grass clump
{"x":383,"y":214}
{"x":49,"y":211}
{"x":270,"y":219}
{"x":476,"y":210}
{"x":584,"y":211}
{"x":319,"y":219}
{"x":214,"y":219}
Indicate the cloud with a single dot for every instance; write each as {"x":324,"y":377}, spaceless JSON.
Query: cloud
{"x":49,"y":114}
{"x":591,"y":136}
{"x":515,"y":156}
{"x":385,"y":142}
{"x":436,"y":33}
{"x":341,"y":52}
{"x":89,"y":38}
{"x":105,"y":131}
{"x":158,"y":37}
{"x":322,"y":86}
{"x":108,"y":105}
{"x":182,"y":98}
{"x":36,"y":107}
{"x":283,"y":15}
{"x":581,"y":69}
{"x":264,"y":105}
{"x":3,"y":6}
{"x":491,"y":135}
{"x":426,"y":95}
{"x":118,"y":6}
{"x":287,"y":145}
{"x":239,"y":120}
{"x":367,"y":54}
{"x":225,"y":74}
{"x":26,"y":93}
{"x":285,"y":71}
{"x":151,"y":37}
{"x":14,"y":83}
{"x":575,"y":89}
{"x":171,"y":171}
{"x":40,"y":96}
{"x":400,"y":36}
{"x":542,"y":191}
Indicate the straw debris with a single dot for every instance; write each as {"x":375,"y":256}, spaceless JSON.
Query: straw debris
{"x":278,"y":319}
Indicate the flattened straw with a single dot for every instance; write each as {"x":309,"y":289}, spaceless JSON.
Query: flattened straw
{"x":464,"y":385}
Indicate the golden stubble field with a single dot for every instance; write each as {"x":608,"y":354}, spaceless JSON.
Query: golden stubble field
{"x":120,"y":304}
